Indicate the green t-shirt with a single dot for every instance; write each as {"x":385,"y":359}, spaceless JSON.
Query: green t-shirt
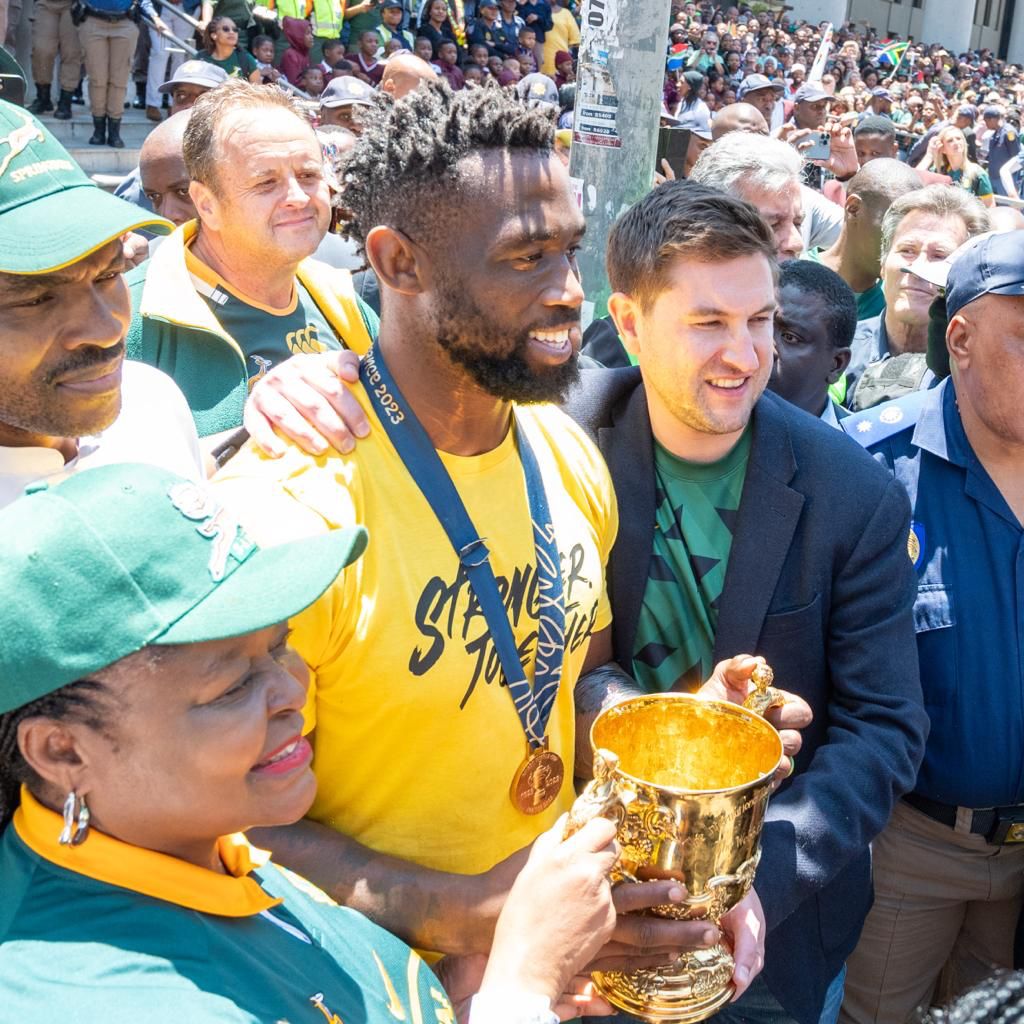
{"x":368,"y":21}
{"x":695,"y":515}
{"x":122,"y":934}
{"x":268,"y":336}
{"x":979,"y":185}
{"x":238,"y":65}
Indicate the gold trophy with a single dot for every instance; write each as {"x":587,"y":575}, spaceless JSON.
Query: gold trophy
{"x":688,"y":781}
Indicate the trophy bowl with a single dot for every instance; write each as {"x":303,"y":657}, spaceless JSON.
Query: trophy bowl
{"x":688,"y":781}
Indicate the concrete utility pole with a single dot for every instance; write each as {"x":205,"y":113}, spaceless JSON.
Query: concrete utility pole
{"x":619,"y":79}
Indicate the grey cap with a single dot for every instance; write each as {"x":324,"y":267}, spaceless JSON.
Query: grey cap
{"x":754,"y":83}
{"x":196,"y":72}
{"x":810,"y":92}
{"x":991,"y":112}
{"x":344,"y":92}
{"x":537,"y":90}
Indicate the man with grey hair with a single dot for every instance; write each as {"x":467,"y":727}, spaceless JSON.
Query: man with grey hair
{"x":234,"y":292}
{"x":766,"y":172}
{"x":888,"y":353}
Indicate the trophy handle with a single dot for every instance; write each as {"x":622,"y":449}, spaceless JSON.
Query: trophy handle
{"x":765,"y":696}
{"x":601,"y":798}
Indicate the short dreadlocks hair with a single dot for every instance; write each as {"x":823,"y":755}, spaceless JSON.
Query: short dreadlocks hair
{"x":410,"y":149}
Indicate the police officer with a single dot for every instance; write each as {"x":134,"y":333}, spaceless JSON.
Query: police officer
{"x":53,"y":33}
{"x":108,"y":33}
{"x":949,"y":869}
{"x":1004,"y":144}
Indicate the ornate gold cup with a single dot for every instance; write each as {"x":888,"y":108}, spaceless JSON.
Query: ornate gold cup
{"x":688,"y":781}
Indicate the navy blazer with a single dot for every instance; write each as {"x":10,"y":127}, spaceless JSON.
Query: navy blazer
{"x":818,"y":582}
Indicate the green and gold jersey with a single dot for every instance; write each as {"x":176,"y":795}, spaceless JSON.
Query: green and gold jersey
{"x":696,"y":506}
{"x":266,"y":335}
{"x":109,"y":933}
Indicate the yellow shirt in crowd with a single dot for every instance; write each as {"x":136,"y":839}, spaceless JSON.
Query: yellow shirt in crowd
{"x":415,"y":742}
{"x":563,"y":34}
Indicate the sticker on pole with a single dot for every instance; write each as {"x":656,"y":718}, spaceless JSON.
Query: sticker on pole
{"x":597,"y":106}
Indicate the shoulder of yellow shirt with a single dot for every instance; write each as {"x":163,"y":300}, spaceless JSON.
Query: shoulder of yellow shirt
{"x":300,"y":495}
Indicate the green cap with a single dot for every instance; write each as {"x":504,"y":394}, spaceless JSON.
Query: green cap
{"x":52,"y":213}
{"x":118,"y":558}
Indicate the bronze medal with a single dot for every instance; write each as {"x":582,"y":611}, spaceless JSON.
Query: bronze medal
{"x":537,"y":781}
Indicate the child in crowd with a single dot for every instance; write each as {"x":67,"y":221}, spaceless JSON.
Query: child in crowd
{"x":473,"y":76}
{"x":295,"y":59}
{"x":495,"y":65}
{"x":564,"y":73}
{"x":262,"y":49}
{"x":333,"y":51}
{"x":511,"y":65}
{"x":525,"y":50}
{"x":312,"y":81}
{"x":424,"y":49}
{"x":343,"y":69}
{"x":447,"y":61}
{"x":368,"y":68}
{"x":479,"y":55}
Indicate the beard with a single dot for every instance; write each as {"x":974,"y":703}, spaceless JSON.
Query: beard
{"x":501,"y":368}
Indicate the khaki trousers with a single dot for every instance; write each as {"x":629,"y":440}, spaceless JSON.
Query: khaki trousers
{"x":53,"y":33}
{"x":945,"y":904}
{"x":108,"y":46}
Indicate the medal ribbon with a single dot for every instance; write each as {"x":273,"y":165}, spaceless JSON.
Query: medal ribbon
{"x":427,"y":470}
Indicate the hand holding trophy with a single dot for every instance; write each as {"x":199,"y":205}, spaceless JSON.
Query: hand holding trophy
{"x":687,"y":781}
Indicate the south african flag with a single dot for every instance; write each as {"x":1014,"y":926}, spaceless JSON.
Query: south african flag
{"x":892,"y":53}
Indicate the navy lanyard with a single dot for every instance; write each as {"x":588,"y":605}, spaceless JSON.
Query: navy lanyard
{"x":426,"y":468}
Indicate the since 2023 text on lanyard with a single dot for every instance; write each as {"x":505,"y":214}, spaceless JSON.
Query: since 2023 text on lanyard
{"x":538,"y":779}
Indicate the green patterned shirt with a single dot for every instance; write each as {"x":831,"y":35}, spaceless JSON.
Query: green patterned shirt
{"x":696,"y":507}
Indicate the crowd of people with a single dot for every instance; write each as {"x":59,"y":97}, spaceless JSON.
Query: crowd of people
{"x":327,"y":519}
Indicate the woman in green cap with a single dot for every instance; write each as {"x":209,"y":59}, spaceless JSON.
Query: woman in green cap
{"x":150,"y":712}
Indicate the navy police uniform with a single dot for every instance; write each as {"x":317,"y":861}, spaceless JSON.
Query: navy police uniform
{"x":949,"y":868}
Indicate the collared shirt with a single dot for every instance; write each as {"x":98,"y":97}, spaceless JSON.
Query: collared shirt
{"x":154,"y":426}
{"x":870,"y":344}
{"x":144,"y":936}
{"x":828,"y":414}
{"x":968,"y":549}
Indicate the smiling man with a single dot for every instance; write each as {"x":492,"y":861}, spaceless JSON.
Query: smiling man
{"x":439,"y":763}
{"x":888,"y":352}
{"x":67,"y":398}
{"x":749,"y":526}
{"x":234,"y":292}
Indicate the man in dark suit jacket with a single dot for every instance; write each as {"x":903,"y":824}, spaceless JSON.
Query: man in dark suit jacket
{"x":817,"y":581}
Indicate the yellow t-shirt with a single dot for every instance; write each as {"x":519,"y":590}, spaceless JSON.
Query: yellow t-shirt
{"x":563,"y":34}
{"x":415,"y":742}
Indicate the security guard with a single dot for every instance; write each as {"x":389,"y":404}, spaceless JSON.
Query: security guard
{"x":1003,"y":145}
{"x":53,"y":34}
{"x":392,"y":14}
{"x":108,"y":33}
{"x":949,"y":869}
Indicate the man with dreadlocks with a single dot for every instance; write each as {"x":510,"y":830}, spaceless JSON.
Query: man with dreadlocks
{"x":492,"y":516}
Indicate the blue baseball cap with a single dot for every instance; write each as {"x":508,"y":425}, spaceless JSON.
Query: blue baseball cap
{"x":992,"y":266}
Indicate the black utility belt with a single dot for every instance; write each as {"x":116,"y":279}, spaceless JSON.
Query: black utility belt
{"x":91,"y":12}
{"x":999,"y":825}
